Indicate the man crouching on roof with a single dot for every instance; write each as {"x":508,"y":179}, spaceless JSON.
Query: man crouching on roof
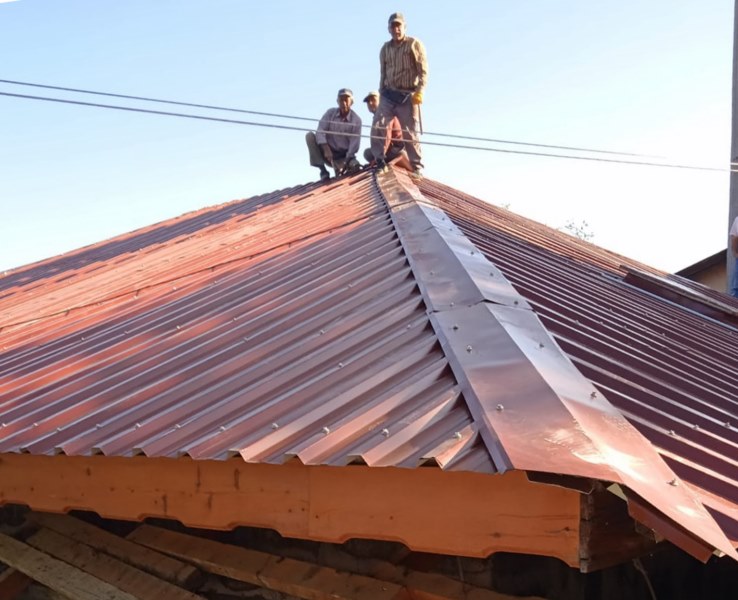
{"x":337,"y":139}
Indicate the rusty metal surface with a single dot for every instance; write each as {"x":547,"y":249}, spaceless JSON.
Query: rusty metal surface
{"x":671,"y":371}
{"x":285,"y":326}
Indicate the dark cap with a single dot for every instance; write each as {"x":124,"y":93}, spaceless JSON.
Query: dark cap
{"x":345,"y":92}
{"x":396,"y":18}
{"x":373,"y":93}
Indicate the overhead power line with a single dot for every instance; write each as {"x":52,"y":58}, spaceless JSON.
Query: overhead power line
{"x":293,"y":128}
{"x":293,"y":117}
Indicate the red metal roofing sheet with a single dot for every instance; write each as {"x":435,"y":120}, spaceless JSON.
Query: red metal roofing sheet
{"x":670,"y":370}
{"x":278,"y":327}
{"x":296,"y":325}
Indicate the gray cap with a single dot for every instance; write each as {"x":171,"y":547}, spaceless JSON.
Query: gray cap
{"x":374,"y":93}
{"x":345,"y":92}
{"x":396,"y":18}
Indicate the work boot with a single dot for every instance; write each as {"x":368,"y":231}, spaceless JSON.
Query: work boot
{"x":417,"y":174}
{"x":352,"y":166}
{"x":324,"y":174}
{"x":381,"y":166}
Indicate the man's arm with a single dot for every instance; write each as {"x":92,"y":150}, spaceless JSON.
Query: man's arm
{"x":382,"y":73}
{"x":323,"y":126}
{"x":421,"y":64}
{"x":355,"y":139}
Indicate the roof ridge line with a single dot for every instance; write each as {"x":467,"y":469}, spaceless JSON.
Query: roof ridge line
{"x":500,"y":353}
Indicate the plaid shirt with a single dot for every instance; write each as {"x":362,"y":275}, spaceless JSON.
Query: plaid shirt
{"x":403,"y":65}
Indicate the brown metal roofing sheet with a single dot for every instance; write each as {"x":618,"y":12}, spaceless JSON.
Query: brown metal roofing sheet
{"x":670,"y":370}
{"x":273,"y":328}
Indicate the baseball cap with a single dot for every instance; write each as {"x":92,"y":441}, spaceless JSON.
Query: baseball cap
{"x":374,"y":93}
{"x":345,"y":92}
{"x":396,"y":18}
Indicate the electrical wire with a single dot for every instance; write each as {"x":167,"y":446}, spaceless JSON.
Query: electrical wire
{"x":293,"y":128}
{"x":283,"y":116}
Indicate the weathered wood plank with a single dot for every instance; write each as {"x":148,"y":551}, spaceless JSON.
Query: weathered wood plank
{"x":13,"y":583}
{"x":430,"y":586}
{"x":138,"y":583}
{"x":298,"y":578}
{"x":65,"y":579}
{"x":165,"y":567}
{"x":473,"y":514}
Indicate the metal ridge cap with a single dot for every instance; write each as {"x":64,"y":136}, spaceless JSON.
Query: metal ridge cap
{"x":539,"y":411}
{"x":449,"y":269}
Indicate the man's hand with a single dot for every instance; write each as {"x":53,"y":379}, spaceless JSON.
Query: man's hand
{"x":327,"y":153}
{"x":417,"y":98}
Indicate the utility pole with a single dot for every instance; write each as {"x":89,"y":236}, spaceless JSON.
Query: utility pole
{"x":733,"y":202}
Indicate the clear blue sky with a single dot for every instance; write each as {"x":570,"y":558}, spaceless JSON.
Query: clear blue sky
{"x":649,"y":77}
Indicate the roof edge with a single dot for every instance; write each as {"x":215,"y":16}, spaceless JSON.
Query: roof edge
{"x":497,"y":348}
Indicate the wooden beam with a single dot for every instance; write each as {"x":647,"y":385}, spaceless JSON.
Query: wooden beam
{"x":289,"y":576}
{"x":165,"y":567}
{"x":286,"y":575}
{"x":65,"y":579}
{"x":609,"y":535}
{"x":428,"y":510}
{"x":13,"y":583}
{"x":138,"y":583}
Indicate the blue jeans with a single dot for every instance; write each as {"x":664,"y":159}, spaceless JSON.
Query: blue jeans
{"x":733,"y":287}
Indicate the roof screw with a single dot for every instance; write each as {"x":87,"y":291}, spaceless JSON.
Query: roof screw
{"x":452,"y":304}
{"x":409,"y":326}
{"x":35,"y":424}
{"x":275,"y":425}
{"x":472,"y":252}
{"x":695,"y":426}
{"x":178,"y":426}
{"x":457,"y":435}
{"x":455,"y":327}
{"x":58,"y":428}
{"x":674,"y":482}
{"x":322,"y":332}
{"x":98,"y":425}
{"x":727,"y":423}
{"x":593,"y":395}
{"x":469,"y":349}
{"x":515,"y":302}
{"x":499,"y":408}
{"x":222,"y":427}
{"x":432,"y":273}
{"x":540,"y":344}
{"x":179,"y":327}
{"x":82,"y":338}
{"x":4,"y":424}
{"x":671,"y":432}
{"x":326,"y":430}
{"x":340,"y":365}
{"x":385,"y":432}
{"x":491,"y":273}
{"x":138,"y":426}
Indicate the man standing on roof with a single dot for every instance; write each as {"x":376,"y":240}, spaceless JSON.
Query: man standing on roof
{"x":337,"y":139}
{"x":733,"y":283}
{"x":394,"y":146}
{"x":403,"y":74}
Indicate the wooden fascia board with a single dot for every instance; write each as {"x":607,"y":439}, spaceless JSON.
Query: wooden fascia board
{"x":429,"y":510}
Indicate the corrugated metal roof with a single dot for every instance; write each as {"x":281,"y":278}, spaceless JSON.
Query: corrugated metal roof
{"x":278,"y":327}
{"x":670,"y":370}
{"x":320,"y":323}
